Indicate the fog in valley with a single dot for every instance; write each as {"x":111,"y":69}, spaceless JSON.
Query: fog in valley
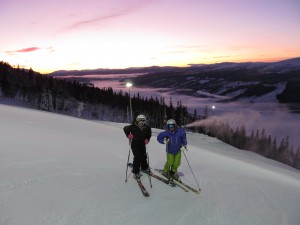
{"x":276,"y":119}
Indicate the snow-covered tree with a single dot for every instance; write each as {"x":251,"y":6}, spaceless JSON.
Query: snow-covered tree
{"x":46,"y":101}
{"x":80,"y":108}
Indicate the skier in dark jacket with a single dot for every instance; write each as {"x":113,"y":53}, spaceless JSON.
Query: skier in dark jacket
{"x":139,"y":135}
{"x":174,"y":138}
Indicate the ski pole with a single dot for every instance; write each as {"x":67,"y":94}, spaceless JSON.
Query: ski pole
{"x":149,"y":177}
{"x":128,"y":160}
{"x":191,"y":170}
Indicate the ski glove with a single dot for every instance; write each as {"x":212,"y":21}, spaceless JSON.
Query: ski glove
{"x":166,"y":140}
{"x":146,"y":141}
{"x":184,"y":148}
{"x":130,"y":136}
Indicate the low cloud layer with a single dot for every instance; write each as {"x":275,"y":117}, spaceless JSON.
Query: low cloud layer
{"x":276,"y":123}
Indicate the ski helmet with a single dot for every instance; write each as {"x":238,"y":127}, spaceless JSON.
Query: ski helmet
{"x":171,"y":121}
{"x":171,"y":124}
{"x":141,"y":117}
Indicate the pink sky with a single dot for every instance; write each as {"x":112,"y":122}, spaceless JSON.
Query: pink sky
{"x":86,"y":34}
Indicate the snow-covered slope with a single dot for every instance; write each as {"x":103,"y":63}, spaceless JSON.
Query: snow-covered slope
{"x":61,"y":170}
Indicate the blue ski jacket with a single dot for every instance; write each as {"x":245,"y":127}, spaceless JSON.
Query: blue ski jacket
{"x":177,"y":139}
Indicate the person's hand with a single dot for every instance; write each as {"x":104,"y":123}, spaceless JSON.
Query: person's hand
{"x":184,"y":148}
{"x":146,"y":141}
{"x":130,"y":136}
{"x":166,"y":140}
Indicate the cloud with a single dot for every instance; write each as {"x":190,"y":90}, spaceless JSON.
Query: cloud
{"x":96,"y":20}
{"x":130,"y":7}
{"x":31,"y":49}
{"x":23,"y":50}
{"x":92,"y":21}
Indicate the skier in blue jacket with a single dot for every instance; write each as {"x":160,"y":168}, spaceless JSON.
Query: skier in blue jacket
{"x":174,"y":138}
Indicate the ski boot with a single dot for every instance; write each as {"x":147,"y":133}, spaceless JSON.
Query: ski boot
{"x":166,"y":175}
{"x":175,"y":176}
{"x":147,"y":171}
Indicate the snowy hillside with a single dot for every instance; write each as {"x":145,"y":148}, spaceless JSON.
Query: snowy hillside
{"x":61,"y":170}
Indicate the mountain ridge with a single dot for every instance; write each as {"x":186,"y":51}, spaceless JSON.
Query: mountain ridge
{"x":293,"y":61}
{"x":247,"y":81}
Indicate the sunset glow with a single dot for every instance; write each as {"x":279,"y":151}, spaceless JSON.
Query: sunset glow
{"x":54,"y":35}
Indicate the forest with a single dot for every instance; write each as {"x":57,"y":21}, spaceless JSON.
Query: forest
{"x":258,"y":141}
{"x":83,"y":100}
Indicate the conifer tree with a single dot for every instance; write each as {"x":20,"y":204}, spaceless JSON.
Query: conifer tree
{"x":46,"y":102}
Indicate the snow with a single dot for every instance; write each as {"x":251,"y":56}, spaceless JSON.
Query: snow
{"x":270,"y":97}
{"x":207,"y":94}
{"x":56,"y":169}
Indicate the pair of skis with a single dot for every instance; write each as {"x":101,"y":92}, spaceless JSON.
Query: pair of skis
{"x":172,"y":183}
{"x":182,"y":185}
{"x":144,"y":190}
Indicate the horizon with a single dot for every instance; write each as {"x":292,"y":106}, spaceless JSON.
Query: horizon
{"x":55,"y":35}
{"x":137,"y":67}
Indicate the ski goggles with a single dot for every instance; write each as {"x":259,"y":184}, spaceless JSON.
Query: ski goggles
{"x":171,"y":126}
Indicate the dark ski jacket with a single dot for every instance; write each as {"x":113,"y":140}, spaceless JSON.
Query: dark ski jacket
{"x":177,"y":139}
{"x":140,"y":133}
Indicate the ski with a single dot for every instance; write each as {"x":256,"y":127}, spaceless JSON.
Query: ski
{"x":142,"y":187}
{"x":173,"y":181}
{"x":187,"y":186}
{"x":181,"y":184}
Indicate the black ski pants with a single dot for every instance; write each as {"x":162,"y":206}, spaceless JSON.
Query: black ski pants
{"x":139,"y":158}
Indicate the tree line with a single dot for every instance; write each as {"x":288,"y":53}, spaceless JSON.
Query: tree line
{"x":83,"y":100}
{"x":258,"y":141}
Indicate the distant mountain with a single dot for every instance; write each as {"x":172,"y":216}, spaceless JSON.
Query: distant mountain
{"x":111,"y":71}
{"x":262,"y":67}
{"x":228,"y":81}
{"x":285,"y":65}
{"x":251,"y":82}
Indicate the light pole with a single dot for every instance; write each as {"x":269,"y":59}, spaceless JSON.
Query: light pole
{"x":213,"y":109}
{"x":129,"y":85}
